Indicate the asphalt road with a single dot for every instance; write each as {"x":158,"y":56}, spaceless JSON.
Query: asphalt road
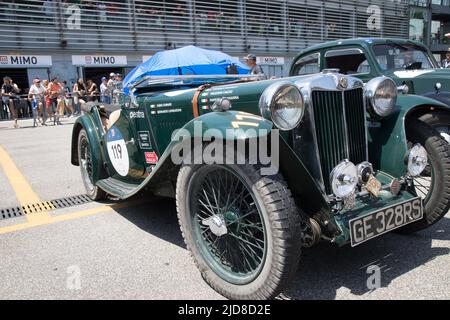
{"x":135,"y":250}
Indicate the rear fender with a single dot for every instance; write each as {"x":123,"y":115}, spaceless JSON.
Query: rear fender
{"x":93,"y":131}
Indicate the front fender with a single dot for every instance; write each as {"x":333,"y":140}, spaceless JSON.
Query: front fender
{"x":87,"y":123}
{"x":241,"y":125}
{"x":443,"y":97}
{"x":387,"y":139}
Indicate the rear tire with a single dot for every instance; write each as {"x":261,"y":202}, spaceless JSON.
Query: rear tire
{"x":436,"y":198}
{"x":86,"y":167}
{"x":241,"y":270}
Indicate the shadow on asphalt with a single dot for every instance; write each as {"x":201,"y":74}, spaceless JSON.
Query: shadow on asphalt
{"x":326,"y":268}
{"x":157,"y":217}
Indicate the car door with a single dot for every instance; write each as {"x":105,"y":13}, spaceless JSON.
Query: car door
{"x":127,"y":140}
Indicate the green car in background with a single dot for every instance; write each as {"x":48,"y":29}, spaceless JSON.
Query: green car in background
{"x":348,"y":162}
{"x":409,"y":63}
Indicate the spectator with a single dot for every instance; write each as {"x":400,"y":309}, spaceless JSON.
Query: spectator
{"x":56,"y":94}
{"x":102,"y":12}
{"x":446,"y":62}
{"x":255,"y":69}
{"x":112,"y":77}
{"x":79,"y":93}
{"x":9,"y":94}
{"x":92,"y":91}
{"x":68,"y":102}
{"x":47,"y":112}
{"x":105,"y":92}
{"x":37,"y":97}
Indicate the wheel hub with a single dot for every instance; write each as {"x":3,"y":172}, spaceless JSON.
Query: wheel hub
{"x":216,"y":224}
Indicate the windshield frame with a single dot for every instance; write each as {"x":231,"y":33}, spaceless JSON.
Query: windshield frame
{"x":411,"y":47}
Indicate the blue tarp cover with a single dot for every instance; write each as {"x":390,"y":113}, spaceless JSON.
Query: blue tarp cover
{"x":189,"y":60}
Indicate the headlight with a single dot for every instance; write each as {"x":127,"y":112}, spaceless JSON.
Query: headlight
{"x":381,"y":95}
{"x":417,"y":160}
{"x":344,"y":179}
{"x":283,"y":104}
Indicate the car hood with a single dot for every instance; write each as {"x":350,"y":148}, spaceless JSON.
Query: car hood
{"x":424,"y":81}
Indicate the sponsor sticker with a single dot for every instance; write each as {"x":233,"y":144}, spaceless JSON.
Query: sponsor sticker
{"x":137,"y":115}
{"x":144,"y":140}
{"x":151,"y":157}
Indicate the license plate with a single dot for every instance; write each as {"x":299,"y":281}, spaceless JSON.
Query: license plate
{"x":375,"y":224}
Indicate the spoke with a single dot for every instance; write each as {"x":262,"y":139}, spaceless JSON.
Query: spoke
{"x":251,"y":253}
{"x":208,"y":183}
{"x":206,"y":207}
{"x":243,"y":217}
{"x":239,"y":196}
{"x":244,"y":240}
{"x":256,"y":241}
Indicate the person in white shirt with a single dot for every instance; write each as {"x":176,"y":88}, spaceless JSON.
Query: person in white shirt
{"x":105,"y":92}
{"x":36,"y":96}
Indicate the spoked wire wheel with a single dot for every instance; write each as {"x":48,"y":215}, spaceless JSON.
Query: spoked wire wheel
{"x":242,"y":228}
{"x":424,"y":184}
{"x":433,"y":185}
{"x":86,"y":162}
{"x":228,"y":225}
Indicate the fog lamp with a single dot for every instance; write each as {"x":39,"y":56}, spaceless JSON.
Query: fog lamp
{"x":417,"y":160}
{"x":344,"y":179}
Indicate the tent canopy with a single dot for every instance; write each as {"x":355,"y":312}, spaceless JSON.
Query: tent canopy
{"x":189,"y":60}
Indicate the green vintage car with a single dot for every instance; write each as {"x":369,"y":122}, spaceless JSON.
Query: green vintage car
{"x":262,"y":169}
{"x":409,"y":63}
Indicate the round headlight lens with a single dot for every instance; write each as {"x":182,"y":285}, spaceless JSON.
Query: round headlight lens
{"x":381,"y":94}
{"x":344,"y":179}
{"x":417,"y":160}
{"x":283,"y":104}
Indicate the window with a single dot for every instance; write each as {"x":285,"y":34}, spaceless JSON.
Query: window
{"x":418,"y":24}
{"x":309,"y":64}
{"x":348,"y":61}
{"x":398,"y":56}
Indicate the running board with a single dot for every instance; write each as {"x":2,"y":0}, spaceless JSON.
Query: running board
{"x":118,"y":188}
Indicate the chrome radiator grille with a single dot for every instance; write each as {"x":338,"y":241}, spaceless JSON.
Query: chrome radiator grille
{"x":340,"y":127}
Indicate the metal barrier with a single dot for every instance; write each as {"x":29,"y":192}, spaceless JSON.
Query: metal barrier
{"x":276,"y":26}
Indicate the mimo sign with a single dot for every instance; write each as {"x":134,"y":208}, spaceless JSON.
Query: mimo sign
{"x":25,"y":61}
{"x":99,"y":60}
{"x":271,"y":61}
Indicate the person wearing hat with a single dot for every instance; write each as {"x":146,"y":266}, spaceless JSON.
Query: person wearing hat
{"x":36,"y":96}
{"x":255,"y":69}
{"x":446,"y":62}
{"x":105,"y":93}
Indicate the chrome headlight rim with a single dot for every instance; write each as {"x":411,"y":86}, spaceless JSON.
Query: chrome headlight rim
{"x":268,"y":100}
{"x":372,"y":94}
{"x":417,"y":160}
{"x":344,"y":179}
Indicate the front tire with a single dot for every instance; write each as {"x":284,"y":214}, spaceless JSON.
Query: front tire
{"x":243,"y":229}
{"x":86,"y":167}
{"x":440,"y":121}
{"x":433,"y":186}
